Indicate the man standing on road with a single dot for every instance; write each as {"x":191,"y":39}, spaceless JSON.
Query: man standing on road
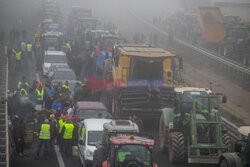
{"x":29,"y":50}
{"x":18,"y":58}
{"x":18,"y":132}
{"x":44,"y":138}
{"x":67,"y":132}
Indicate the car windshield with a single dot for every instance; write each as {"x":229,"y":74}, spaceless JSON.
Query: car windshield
{"x":94,"y":137}
{"x":85,"y":114}
{"x":55,"y":59}
{"x":64,"y":75}
{"x":138,"y":154}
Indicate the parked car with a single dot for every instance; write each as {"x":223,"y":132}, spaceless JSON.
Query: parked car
{"x":53,"y":57}
{"x":91,"y":109}
{"x":91,"y":133}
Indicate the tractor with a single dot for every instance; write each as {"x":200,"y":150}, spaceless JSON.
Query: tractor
{"x":192,"y":131}
{"x":241,"y":156}
{"x":142,"y":81}
{"x":128,"y":151}
{"x":112,"y":129}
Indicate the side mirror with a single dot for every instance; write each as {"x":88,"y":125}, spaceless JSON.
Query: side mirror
{"x":81,"y":142}
{"x":224,"y":99}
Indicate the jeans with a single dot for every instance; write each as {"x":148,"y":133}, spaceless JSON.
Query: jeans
{"x":67,"y":146}
{"x":51,"y":146}
{"x":42,"y":142}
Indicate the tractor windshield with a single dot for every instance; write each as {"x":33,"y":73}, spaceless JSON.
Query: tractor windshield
{"x":206,"y":104}
{"x":147,"y":69}
{"x":187,"y":99}
{"x":136,"y":155}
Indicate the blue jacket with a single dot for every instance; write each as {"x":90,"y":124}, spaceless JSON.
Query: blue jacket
{"x":57,"y":106}
{"x":52,"y":91}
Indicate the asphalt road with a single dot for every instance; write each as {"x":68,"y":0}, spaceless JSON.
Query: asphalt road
{"x":28,"y":70}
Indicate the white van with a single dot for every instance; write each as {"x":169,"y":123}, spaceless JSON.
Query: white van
{"x":90,"y":134}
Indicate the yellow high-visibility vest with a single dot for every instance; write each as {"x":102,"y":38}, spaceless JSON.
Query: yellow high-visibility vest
{"x":25,"y":95}
{"x":68,"y":133}
{"x":17,"y":54}
{"x":65,"y":86}
{"x":40,"y":94}
{"x":29,"y":47}
{"x":45,"y":132}
{"x":61,"y":124}
{"x":69,"y":47}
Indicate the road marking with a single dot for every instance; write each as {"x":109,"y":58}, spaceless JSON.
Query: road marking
{"x":59,"y":157}
{"x":37,"y":77}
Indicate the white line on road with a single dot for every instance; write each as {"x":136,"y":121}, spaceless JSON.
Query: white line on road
{"x":59,"y":157}
{"x":37,"y":77}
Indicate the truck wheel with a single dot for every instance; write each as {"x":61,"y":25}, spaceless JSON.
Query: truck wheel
{"x":177,"y":152}
{"x":226,"y":139}
{"x":163,"y":135}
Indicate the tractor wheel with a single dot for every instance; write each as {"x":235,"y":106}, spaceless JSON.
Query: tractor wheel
{"x":177,"y":151}
{"x":226,"y":139}
{"x":163,"y":135}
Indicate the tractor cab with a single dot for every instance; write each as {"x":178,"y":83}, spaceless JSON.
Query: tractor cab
{"x":130,"y":151}
{"x":52,"y":41}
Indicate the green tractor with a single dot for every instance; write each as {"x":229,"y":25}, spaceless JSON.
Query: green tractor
{"x":191,"y":131}
{"x":241,"y":156}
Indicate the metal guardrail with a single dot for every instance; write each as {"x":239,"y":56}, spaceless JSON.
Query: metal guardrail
{"x":232,"y":129}
{"x":203,"y":51}
{"x":4,"y":136}
{"x":211,"y":55}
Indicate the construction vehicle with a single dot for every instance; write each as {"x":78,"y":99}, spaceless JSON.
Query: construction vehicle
{"x":130,"y":151}
{"x":112,"y":129}
{"x":212,"y":24}
{"x":192,"y":131}
{"x":143,"y":81}
{"x":241,"y":156}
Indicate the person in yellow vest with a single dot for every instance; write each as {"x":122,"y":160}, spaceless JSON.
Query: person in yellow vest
{"x":65,"y":86}
{"x":18,"y":58}
{"x":61,"y":123}
{"x":44,"y":138}
{"x":23,"y":83}
{"x":39,"y":93}
{"x":24,"y":94}
{"x":67,"y":132}
{"x":69,"y":49}
{"x":29,"y":50}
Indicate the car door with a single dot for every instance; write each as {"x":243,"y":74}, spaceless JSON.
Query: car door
{"x":81,"y":143}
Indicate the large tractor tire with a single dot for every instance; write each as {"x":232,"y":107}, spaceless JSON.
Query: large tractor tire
{"x":166,"y":118}
{"x":177,"y":150}
{"x":98,"y":157}
{"x":163,"y":135}
{"x":226,"y":139}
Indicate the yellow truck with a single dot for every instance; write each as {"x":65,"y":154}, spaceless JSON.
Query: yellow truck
{"x":143,"y":80}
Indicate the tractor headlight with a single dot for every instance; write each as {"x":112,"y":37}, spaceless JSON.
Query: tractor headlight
{"x":171,"y":125}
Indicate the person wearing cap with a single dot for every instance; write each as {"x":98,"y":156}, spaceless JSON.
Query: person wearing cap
{"x":44,"y":138}
{"x":67,"y":132}
{"x":66,"y":86}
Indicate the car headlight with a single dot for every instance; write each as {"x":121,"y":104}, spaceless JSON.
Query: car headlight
{"x":89,"y":153}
